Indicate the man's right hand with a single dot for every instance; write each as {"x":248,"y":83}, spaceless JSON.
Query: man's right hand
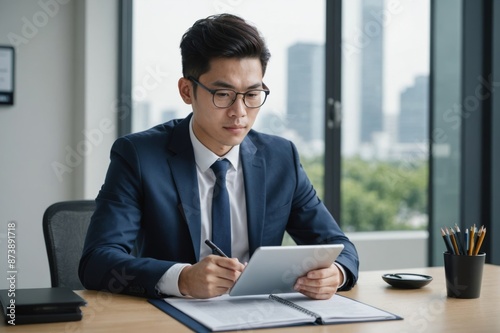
{"x":212,"y":276}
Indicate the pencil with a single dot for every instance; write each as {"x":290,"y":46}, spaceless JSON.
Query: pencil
{"x":482,"y":232}
{"x":459,"y":240}
{"x":477,"y":234}
{"x":454,"y":241}
{"x":471,"y":239}
{"x":447,"y":242}
{"x":466,"y":241}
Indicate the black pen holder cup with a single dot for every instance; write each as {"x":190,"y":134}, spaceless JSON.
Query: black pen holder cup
{"x":464,"y":275}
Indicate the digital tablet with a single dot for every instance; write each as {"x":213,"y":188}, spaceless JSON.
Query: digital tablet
{"x":274,"y":269}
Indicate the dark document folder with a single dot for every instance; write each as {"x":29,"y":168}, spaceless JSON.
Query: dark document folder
{"x":40,"y":305}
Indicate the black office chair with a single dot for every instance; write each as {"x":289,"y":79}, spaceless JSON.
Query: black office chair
{"x":65,"y":225}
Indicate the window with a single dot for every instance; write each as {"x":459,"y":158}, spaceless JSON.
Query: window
{"x":385,"y":80}
{"x":385,"y":69}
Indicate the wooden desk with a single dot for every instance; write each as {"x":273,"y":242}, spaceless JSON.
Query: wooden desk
{"x":424,"y":310}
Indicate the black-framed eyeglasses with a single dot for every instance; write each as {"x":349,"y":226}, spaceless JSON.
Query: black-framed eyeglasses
{"x":224,"y":98}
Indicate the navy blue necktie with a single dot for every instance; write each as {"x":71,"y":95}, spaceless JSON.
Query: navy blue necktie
{"x":221,"y":219}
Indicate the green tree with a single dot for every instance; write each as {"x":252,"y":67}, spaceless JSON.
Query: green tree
{"x":377,"y":195}
{"x":315,"y":170}
{"x":388,"y":193}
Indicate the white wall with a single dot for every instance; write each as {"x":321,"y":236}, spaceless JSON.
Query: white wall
{"x":65,"y":86}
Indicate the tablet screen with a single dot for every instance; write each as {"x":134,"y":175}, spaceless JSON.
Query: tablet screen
{"x":274,"y":269}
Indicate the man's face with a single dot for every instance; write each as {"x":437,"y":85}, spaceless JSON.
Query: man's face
{"x":219,"y":129}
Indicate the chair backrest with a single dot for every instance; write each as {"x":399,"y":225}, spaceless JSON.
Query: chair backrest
{"x":65,"y":226}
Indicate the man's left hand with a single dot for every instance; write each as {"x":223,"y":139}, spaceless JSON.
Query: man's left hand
{"x":321,"y":283}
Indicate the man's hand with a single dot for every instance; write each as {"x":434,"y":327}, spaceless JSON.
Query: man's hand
{"x":212,"y":276}
{"x":320,"y":283}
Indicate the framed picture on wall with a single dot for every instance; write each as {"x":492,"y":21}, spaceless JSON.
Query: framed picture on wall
{"x":6,"y":75}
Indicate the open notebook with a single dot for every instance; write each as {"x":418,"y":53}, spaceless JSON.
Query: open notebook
{"x":252,"y":312}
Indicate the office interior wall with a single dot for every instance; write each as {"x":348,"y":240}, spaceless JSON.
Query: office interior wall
{"x":55,"y":139}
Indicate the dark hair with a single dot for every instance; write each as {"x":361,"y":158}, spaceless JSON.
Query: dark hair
{"x":220,"y":36}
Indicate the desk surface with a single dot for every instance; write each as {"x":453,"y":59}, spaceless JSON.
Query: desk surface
{"x":424,"y":310}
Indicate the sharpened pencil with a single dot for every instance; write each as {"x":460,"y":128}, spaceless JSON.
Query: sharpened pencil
{"x":459,"y":239}
{"x":447,"y":241}
{"x":482,"y":232}
{"x":454,"y":241}
{"x":466,"y":241}
{"x":471,"y":239}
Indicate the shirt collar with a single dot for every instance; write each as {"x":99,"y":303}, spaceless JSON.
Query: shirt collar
{"x":204,"y":157}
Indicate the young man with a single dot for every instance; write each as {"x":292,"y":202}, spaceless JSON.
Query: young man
{"x":154,"y":211}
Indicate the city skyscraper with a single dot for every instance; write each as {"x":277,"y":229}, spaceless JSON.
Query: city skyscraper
{"x":305,"y":95}
{"x":371,"y":70}
{"x":413,"y":112}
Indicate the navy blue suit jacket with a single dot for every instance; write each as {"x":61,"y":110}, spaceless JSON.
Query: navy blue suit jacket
{"x":148,"y":210}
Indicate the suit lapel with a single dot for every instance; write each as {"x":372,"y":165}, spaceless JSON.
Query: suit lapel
{"x":254,"y":171}
{"x":186,"y":181}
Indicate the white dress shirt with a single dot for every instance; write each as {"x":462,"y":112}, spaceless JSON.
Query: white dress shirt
{"x":204,"y":158}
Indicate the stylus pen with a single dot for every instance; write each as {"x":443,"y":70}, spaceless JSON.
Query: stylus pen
{"x":215,"y":248}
